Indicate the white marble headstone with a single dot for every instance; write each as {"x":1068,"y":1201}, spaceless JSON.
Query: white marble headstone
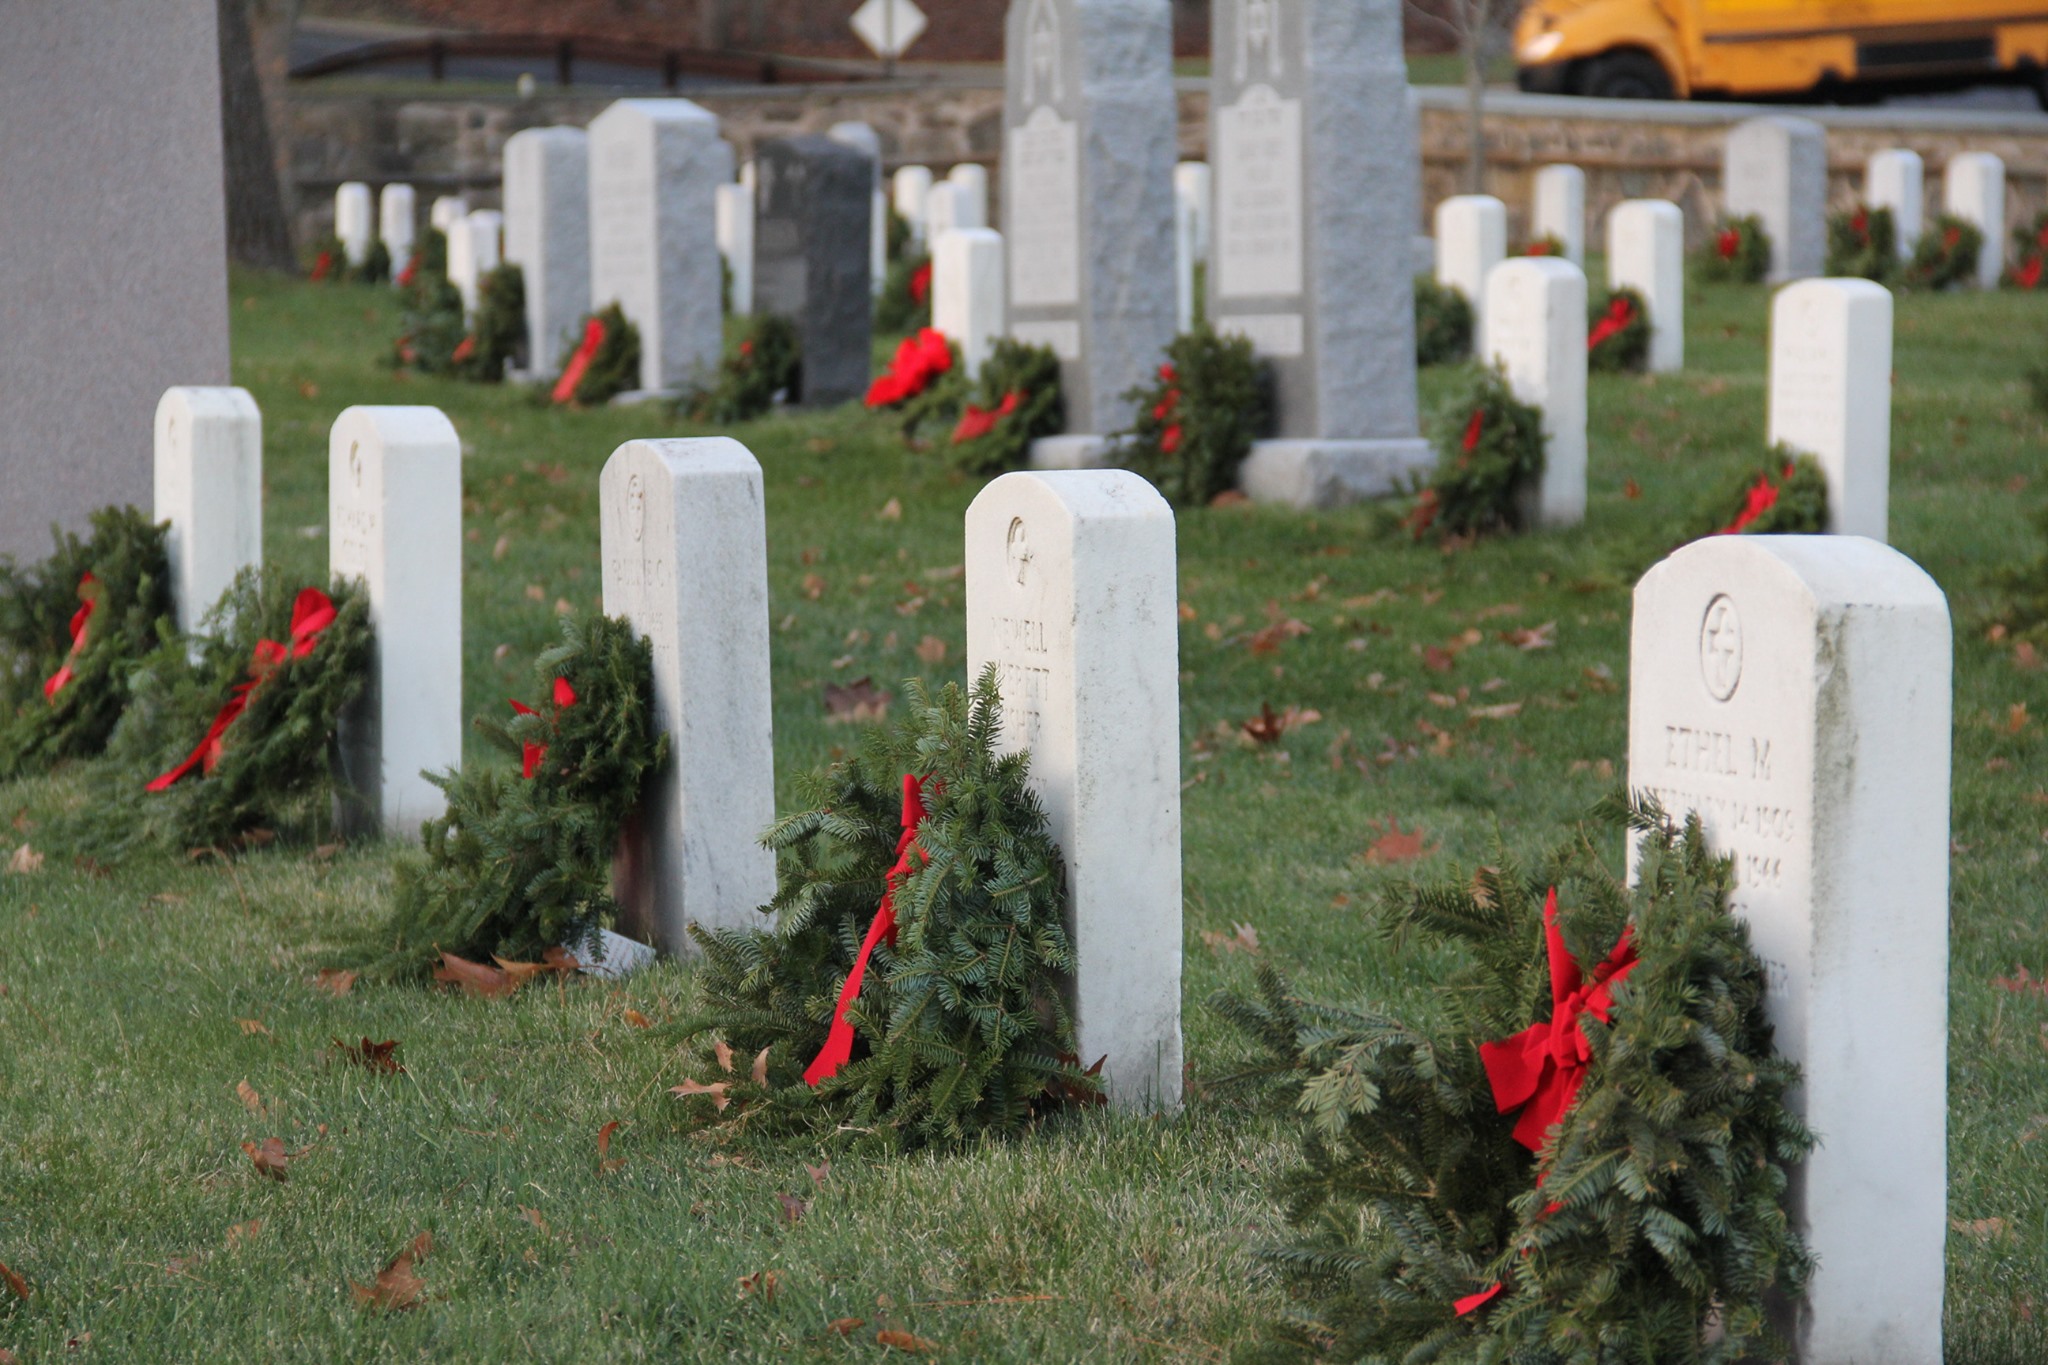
{"x":908,"y":188}
{"x":1646,"y":253}
{"x":1536,"y":331}
{"x":395,"y":208}
{"x":394,"y":520}
{"x":1192,"y":182}
{"x":1973,"y":188}
{"x":1471,"y":239}
{"x":474,"y":246}
{"x":1831,"y":393}
{"x":1775,"y":168}
{"x":654,"y":168}
{"x":547,"y":235}
{"x":1560,"y":209}
{"x":734,"y":205}
{"x":1895,"y":179}
{"x":1071,"y":594}
{"x":352,"y":212}
{"x":967,"y":292}
{"x":446,"y":211}
{"x":209,"y":487}
{"x":686,"y":561}
{"x":971,"y":180}
{"x":1795,"y":692}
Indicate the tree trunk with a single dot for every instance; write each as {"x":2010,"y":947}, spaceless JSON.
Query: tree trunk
{"x":1475,"y":97}
{"x":259,"y":233}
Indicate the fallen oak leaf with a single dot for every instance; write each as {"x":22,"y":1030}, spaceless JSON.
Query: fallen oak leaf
{"x":474,"y":978}
{"x":761,"y":1282}
{"x":270,"y":1157}
{"x":533,"y":1216}
{"x":761,"y":1067}
{"x":793,"y":1208}
{"x":637,"y":1019}
{"x":905,"y":1341}
{"x":1531,"y":637}
{"x":818,"y":1173}
{"x":857,"y":702}
{"x":716,"y":1090}
{"x":373,"y":1056}
{"x":604,"y":1145}
{"x":336,"y":983}
{"x":15,"y":1284}
{"x":238,"y":1233}
{"x":251,"y":1101}
{"x":720,"y":1050}
{"x":397,"y":1286}
{"x":846,"y":1326}
{"x":25,"y":860}
{"x":253,"y":1026}
{"x":1245,"y":940}
{"x":1396,"y":846}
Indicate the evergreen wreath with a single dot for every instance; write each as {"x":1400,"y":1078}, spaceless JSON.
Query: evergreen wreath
{"x":497,"y":338}
{"x":376,"y":266}
{"x":73,"y":629}
{"x":1443,"y":323}
{"x":949,"y":1023}
{"x":1197,"y":420}
{"x":327,"y":260}
{"x":1489,"y":462}
{"x":431,"y":326}
{"x":429,"y":257}
{"x":905,"y":304}
{"x":1015,"y":401}
{"x":925,"y":378}
{"x":1632,"y":1211}
{"x":1787,"y":495}
{"x":1549,"y":244}
{"x":521,"y":863}
{"x":1946,"y":254}
{"x":2029,"y":253}
{"x":1862,"y":243}
{"x":1739,"y":252}
{"x":603,"y":363}
{"x":764,"y":363}
{"x":1618,"y":332}
{"x":232,"y":730}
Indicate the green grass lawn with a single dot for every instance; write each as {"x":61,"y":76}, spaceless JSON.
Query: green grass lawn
{"x":132,"y":1003}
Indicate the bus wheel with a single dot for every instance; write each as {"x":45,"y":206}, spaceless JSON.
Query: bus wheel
{"x":1625,"y":76}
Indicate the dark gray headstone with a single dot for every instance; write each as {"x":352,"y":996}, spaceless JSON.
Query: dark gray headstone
{"x":1089,"y":127}
{"x":1313,"y":149}
{"x":113,"y":273}
{"x":811,"y":257}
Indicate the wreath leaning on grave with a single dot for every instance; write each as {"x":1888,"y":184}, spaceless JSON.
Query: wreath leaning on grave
{"x":1618,"y":332}
{"x":1197,"y":420}
{"x":766,"y":361}
{"x":1739,"y":252}
{"x":905,"y":304}
{"x":1489,"y":462}
{"x":912,"y":989}
{"x":1585,"y":1162}
{"x":1013,"y":402}
{"x":2029,"y":254}
{"x":1862,"y":243}
{"x":73,"y":629}
{"x":1946,"y":254}
{"x":1786,"y":496}
{"x":604,"y":360}
{"x":1549,"y":244}
{"x":232,"y":731}
{"x":1443,"y":323}
{"x":521,"y":863}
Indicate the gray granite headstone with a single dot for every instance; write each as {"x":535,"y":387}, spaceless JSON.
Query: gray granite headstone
{"x":1089,"y":127}
{"x":113,"y":276}
{"x":1311,"y":102}
{"x":1776,"y":168}
{"x":547,"y":235}
{"x":654,"y":168}
{"x":811,"y":257}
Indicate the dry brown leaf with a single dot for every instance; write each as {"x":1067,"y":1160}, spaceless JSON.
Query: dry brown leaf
{"x":270,"y":1157}
{"x":892,"y":510}
{"x":1500,"y":712}
{"x":1531,"y":637}
{"x":1245,"y":939}
{"x":814,"y":586}
{"x":604,"y":1140}
{"x":857,"y":702}
{"x":931,"y":651}
{"x":2026,"y":657}
{"x":533,"y":1216}
{"x":818,"y":1173}
{"x":1980,"y":1229}
{"x":251,"y":1101}
{"x":1396,"y":846}
{"x":762,"y":1282}
{"x":761,"y":1067}
{"x":253,"y":1026}
{"x":239,"y":1233}
{"x":637,"y":1019}
{"x":904,"y":1341}
{"x":373,"y":1056}
{"x":474,"y":978}
{"x":335,"y":983}
{"x":397,"y":1287}
{"x":723,"y":1053}
{"x":716,"y":1090}
{"x":536,"y":593}
{"x":25,"y":860}
{"x":2015,"y":718}
{"x":17,"y":1285}
{"x":793,"y":1208}
{"x":1268,"y":639}
{"x":846,"y":1326}
{"x":1267,"y":726}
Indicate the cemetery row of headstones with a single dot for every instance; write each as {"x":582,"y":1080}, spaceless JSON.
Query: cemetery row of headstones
{"x":1793,"y":691}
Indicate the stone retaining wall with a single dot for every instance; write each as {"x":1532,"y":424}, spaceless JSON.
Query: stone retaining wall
{"x":1628,"y":150}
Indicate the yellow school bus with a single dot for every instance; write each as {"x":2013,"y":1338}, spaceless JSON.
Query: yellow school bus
{"x":1778,"y":49}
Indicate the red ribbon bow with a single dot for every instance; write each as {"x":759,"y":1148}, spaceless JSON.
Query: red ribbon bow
{"x":579,"y":363}
{"x":1540,"y":1069}
{"x":1728,"y":243}
{"x":312,"y":613}
{"x":1621,"y":314}
{"x":839,"y":1041}
{"x":2028,"y":275}
{"x":532,"y":755}
{"x":1762,"y":497}
{"x":89,"y":594}
{"x":322,"y":265}
{"x":921,"y":283}
{"x":919,"y":360}
{"x":979,"y":422}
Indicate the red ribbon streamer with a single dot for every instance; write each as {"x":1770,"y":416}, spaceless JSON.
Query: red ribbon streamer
{"x":2028,"y":274}
{"x":1473,"y":429}
{"x":579,"y":363}
{"x":839,"y":1041}
{"x":1621,"y":314}
{"x":921,"y":283}
{"x":1728,"y":243}
{"x":532,"y":755}
{"x":1763,"y":496}
{"x":1472,"y":1303}
{"x":89,"y":594}
{"x":978,"y":422}
{"x":312,"y":613}
{"x":1540,"y":1069}
{"x":919,"y":360}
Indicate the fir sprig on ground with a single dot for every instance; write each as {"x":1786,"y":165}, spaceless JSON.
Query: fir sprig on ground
{"x":131,"y":616}
{"x":961,"y":1026}
{"x":519,"y":864}
{"x":1660,"y":1211}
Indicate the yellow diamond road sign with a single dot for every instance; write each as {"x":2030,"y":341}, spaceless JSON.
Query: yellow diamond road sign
{"x":888,"y":26}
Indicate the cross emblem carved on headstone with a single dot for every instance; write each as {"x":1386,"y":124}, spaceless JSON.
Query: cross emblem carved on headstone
{"x":1721,"y":648}
{"x":1017,"y":549}
{"x":1258,"y":31}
